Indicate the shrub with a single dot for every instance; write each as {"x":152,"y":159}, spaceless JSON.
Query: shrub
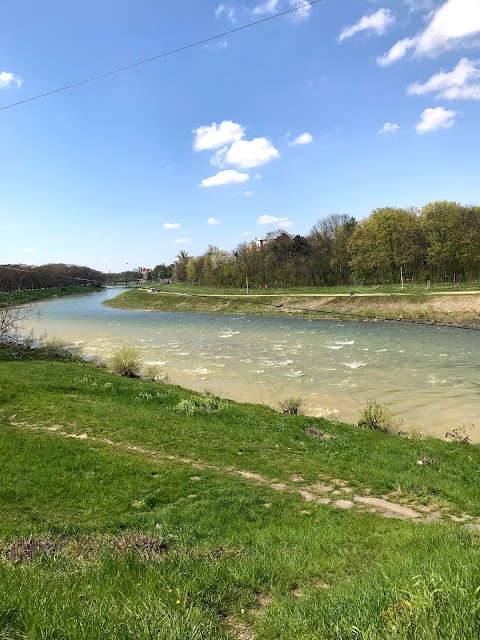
{"x":207,"y":404}
{"x":154,"y":373}
{"x":126,"y":362}
{"x":378,"y":417}
{"x":291,"y":405}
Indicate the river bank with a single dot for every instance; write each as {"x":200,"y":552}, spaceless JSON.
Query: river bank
{"x":450,"y":309}
{"x":37,"y":295}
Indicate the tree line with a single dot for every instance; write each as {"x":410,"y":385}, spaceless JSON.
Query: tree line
{"x":20,"y":277}
{"x":439,"y":242}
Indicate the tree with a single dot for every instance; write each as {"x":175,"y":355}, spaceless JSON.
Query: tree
{"x":191,"y":271}
{"x":180,"y":269}
{"x":12,"y":315}
{"x":389,"y":240}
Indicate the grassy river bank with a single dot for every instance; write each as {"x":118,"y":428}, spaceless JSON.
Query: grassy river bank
{"x":37,"y":295}
{"x":232,"y":522}
{"x":454,"y":307}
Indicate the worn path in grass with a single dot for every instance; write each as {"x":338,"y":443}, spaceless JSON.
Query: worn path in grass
{"x":334,"y":492}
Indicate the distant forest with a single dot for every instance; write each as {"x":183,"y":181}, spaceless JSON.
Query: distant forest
{"x":439,"y":242}
{"x":17,"y":277}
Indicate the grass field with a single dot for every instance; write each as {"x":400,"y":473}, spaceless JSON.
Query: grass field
{"x":121,"y":517}
{"x":442,"y":309}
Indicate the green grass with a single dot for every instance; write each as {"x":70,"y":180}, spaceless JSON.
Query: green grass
{"x":409,"y":289}
{"x":411,"y":307}
{"x":230,"y":562}
{"x":36,"y":295}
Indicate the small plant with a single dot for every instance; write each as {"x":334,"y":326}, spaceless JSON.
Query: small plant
{"x":291,"y":405}
{"x":379,"y":418}
{"x":415,"y":433}
{"x":207,"y":404}
{"x":154,"y":373}
{"x":186,"y":406}
{"x":460,"y":434}
{"x":126,"y":362}
{"x":144,"y":395}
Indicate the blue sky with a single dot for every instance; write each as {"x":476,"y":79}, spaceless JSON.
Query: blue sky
{"x":340,"y":108}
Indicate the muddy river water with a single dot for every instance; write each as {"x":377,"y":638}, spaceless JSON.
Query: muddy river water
{"x":428,"y":375}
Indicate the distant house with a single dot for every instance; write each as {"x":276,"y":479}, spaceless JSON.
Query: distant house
{"x":257,"y":244}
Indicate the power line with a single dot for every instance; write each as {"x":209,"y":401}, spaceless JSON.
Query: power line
{"x":162,"y":55}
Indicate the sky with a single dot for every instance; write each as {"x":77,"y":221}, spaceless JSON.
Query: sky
{"x":341,"y":107}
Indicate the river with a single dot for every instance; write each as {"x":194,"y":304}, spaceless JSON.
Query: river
{"x":428,"y":375}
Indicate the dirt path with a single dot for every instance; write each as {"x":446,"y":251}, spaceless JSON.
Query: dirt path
{"x":333,"y":492}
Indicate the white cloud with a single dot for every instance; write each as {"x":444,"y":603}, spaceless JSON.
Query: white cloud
{"x":396,"y":52}
{"x":389,"y":127}
{"x":419,"y":5}
{"x":213,"y":221}
{"x":9,"y":80}
{"x":29,"y":250}
{"x":216,"y":46}
{"x":378,"y":23}
{"x":433,"y":119}
{"x":104,"y":260}
{"x":453,"y":24}
{"x":282,"y":223}
{"x":225,"y":177}
{"x":226,"y":10}
{"x":303,"y":12}
{"x":217,"y":135}
{"x":269,"y":6}
{"x":275,"y":6}
{"x":181,"y":241}
{"x":462,"y":83}
{"x":258,"y":176}
{"x":246,"y":233}
{"x":304,"y":138}
{"x":246,"y":154}
{"x":245,"y":194}
{"x":171,"y":225}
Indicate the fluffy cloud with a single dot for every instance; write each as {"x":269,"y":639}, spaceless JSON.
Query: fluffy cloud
{"x":213,"y":221}
{"x":226,"y":10}
{"x":171,"y":225}
{"x":246,"y":154}
{"x":304,"y":10}
{"x":378,"y":23}
{"x":282,"y":223}
{"x":270,"y":6}
{"x":389,"y":127}
{"x":453,"y":24}
{"x":433,"y":119}
{"x":9,"y":80}
{"x":225,"y":177}
{"x":217,"y":135}
{"x":181,"y":241}
{"x":462,"y":83}
{"x":304,"y":138}
{"x":396,"y":52}
{"x":275,"y":6}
